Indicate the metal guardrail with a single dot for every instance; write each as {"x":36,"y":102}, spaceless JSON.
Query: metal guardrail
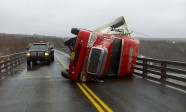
{"x":9,"y":61}
{"x":166,"y":72}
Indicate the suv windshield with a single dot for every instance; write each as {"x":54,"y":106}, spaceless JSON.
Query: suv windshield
{"x":39,"y":47}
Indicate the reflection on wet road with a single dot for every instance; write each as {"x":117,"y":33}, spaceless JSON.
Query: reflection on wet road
{"x":44,"y":90}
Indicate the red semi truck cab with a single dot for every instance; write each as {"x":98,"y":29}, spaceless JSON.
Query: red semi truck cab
{"x":108,"y":50}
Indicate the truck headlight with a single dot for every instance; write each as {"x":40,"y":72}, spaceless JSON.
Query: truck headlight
{"x":92,"y":39}
{"x":28,"y":53}
{"x":46,"y":53}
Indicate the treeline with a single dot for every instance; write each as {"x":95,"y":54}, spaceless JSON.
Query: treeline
{"x":164,"y":49}
{"x":12,"y":43}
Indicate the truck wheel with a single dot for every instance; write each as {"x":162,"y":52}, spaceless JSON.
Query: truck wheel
{"x":75,"y":31}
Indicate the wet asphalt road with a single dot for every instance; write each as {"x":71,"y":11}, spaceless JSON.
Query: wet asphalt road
{"x":44,"y":90}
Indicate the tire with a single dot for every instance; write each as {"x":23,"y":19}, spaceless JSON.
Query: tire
{"x":52,"y":58}
{"x":28,"y":66}
{"x":75,"y":31}
{"x":28,"y":63}
{"x":48,"y":62}
{"x":35,"y":63}
{"x":64,"y":74}
{"x":28,"y":69}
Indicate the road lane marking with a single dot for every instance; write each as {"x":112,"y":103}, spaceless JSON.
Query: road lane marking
{"x":97,"y":98}
{"x":63,"y":64}
{"x":90,"y":98}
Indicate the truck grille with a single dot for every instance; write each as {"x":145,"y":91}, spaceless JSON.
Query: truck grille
{"x":95,"y":60}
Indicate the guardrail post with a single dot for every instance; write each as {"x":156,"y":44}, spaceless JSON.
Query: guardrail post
{"x":0,"y":69}
{"x":12,"y":62}
{"x":163,"y":70}
{"x":144,"y":68}
{"x":17,"y":59}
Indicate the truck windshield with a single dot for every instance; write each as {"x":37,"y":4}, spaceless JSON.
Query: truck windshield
{"x":39,"y":47}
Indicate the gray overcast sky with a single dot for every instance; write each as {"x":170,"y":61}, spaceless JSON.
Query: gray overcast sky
{"x":156,"y":18}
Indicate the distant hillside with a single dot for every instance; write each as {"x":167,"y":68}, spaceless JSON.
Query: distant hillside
{"x":12,"y":43}
{"x":165,"y":39}
{"x":167,"y":49}
{"x":160,"y":48}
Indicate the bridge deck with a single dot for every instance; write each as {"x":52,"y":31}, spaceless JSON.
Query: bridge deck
{"x":44,"y":90}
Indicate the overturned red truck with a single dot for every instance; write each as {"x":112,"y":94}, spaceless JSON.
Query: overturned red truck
{"x":108,"y":50}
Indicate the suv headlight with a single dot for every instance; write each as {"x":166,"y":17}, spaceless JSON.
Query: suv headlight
{"x":46,"y":53}
{"x":28,"y":53}
{"x":92,"y":39}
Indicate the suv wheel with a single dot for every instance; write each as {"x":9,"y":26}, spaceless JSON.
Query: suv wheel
{"x":52,"y":58}
{"x":29,"y":65}
{"x":48,"y":62}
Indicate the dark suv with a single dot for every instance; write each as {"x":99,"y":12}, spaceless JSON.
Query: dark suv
{"x":40,"y":51}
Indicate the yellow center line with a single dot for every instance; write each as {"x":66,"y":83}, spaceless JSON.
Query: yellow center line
{"x":97,"y":98}
{"x":82,"y":86}
{"x":90,"y":98}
